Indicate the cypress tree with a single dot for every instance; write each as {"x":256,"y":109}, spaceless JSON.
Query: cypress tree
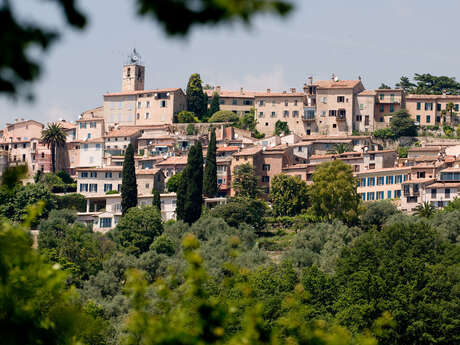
{"x":156,"y":200}
{"x":128,"y":182}
{"x":214,"y":106}
{"x":210,"y":170}
{"x":196,"y":99}
{"x":190,"y":191}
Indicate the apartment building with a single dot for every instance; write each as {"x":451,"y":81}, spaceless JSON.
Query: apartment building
{"x":445,"y":188}
{"x":271,"y":107}
{"x":22,"y":141}
{"x":379,"y":184}
{"x":117,"y":140}
{"x":240,"y":102}
{"x":427,"y":110}
{"x":335,"y":102}
{"x":90,"y":124}
{"x":172,"y":165}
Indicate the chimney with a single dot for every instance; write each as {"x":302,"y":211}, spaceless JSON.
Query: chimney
{"x":268,"y":90}
{"x":292,"y":89}
{"x":359,"y":77}
{"x":241,"y":90}
{"x":218,"y":89}
{"x":310,"y":80}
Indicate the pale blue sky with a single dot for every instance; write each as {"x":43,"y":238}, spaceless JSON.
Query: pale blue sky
{"x":378,"y":40}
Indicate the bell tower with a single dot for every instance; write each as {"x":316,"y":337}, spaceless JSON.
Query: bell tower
{"x":133,"y":73}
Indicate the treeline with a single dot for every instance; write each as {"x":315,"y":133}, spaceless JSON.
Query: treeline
{"x":427,"y":84}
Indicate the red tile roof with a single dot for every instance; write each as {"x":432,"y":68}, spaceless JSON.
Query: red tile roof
{"x":141,"y":92}
{"x":227,"y":149}
{"x":331,"y":84}
{"x":175,"y":160}
{"x":122,"y":132}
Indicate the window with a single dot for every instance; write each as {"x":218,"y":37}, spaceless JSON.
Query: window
{"x":120,"y":175}
{"x":261,"y":114}
{"x":447,"y":193}
{"x":84,"y":174}
{"x":234,"y":101}
{"x":138,"y":116}
{"x":108,"y":174}
{"x":362,"y":182}
{"x":381,"y":96}
{"x":438,"y":107}
{"x":139,"y":104}
{"x":428,"y":119}
{"x":417,"y":118}
{"x":366,"y":120}
{"x":147,"y":116}
{"x":389,"y":194}
{"x":340,"y":99}
{"x":456,"y":107}
{"x":83,"y":187}
{"x":286,"y":113}
{"x":371,"y":181}
{"x":273,"y":114}
{"x":295,"y":103}
{"x":147,"y":104}
{"x":163,"y":104}
{"x":261,"y":103}
{"x":361,"y":106}
{"x":392,"y":108}
{"x":107,"y":187}
{"x":93,"y":187}
{"x":82,"y":124}
{"x":266,"y":167}
{"x":105,"y":223}
{"x":85,"y":147}
{"x":359,"y":118}
{"x":93,"y":174}
{"x":334,"y":125}
{"x":372,"y":156}
{"x":433,"y":193}
{"x":247,"y":102}
{"x":24,"y":145}
{"x":419,"y":106}
{"x":265,"y":178}
{"x":397,"y":193}
{"x":119,"y":187}
{"x":221,"y":101}
{"x":324,"y":100}
{"x":98,"y":146}
{"x":380,"y":181}
{"x":428,"y":106}
{"x":295,"y":113}
{"x":382,"y":108}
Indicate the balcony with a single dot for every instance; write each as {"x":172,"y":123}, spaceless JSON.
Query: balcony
{"x":308,"y":117}
{"x":115,"y":152}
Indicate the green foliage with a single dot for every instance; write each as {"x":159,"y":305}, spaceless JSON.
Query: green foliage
{"x":37,"y":176}
{"x":454,"y":205}
{"x":173,"y":182}
{"x":65,"y":177}
{"x":433,"y":85}
{"x":214,"y":107}
{"x":446,"y":223}
{"x":404,"y":270}
{"x":340,"y":148}
{"x":377,"y":213}
{"x":289,"y":195}
{"x":191,"y":129}
{"x":72,"y":245}
{"x":210,"y":169}
{"x":425,"y":210}
{"x":384,"y":133}
{"x":403,"y":151}
{"x":402,"y":124}
{"x":320,"y":245}
{"x":245,"y":181}
{"x":74,"y":201}
{"x":156,"y":200}
{"x":112,"y":192}
{"x":54,"y":137}
{"x":163,"y":245}
{"x":138,"y":228}
{"x":186,"y":117}
{"x":333,"y":194}
{"x":448,"y":130}
{"x":128,"y":182}
{"x":242,"y":210}
{"x":405,"y":84}
{"x":197,"y":101}
{"x":384,"y":86}
{"x":224,"y":116}
{"x":190,"y":189}
{"x":12,"y":177}
{"x":248,"y":121}
{"x":281,"y":127}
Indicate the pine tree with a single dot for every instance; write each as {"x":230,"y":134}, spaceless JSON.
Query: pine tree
{"x":128,"y":182}
{"x":190,"y":191}
{"x":210,"y":170}
{"x":156,"y":199}
{"x":214,"y":106}
{"x":196,"y":99}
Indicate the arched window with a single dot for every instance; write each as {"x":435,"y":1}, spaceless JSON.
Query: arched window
{"x":128,"y":72}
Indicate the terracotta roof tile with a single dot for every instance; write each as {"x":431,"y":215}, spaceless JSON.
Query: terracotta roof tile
{"x":141,"y":92}
{"x":175,"y":160}
{"x":122,"y":132}
{"x":249,"y":151}
{"x":331,"y":84}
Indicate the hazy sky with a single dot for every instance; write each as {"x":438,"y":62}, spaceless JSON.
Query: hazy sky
{"x":377,"y":40}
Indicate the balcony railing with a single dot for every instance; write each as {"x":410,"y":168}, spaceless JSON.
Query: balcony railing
{"x":308,"y":117}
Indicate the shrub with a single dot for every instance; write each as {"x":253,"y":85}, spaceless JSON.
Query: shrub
{"x":384,"y":133}
{"x":242,"y":210}
{"x":191,"y":129}
{"x":186,"y":117}
{"x":72,"y":201}
{"x":224,"y":116}
{"x":110,"y":192}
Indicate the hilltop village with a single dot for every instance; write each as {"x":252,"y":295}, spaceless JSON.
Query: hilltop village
{"x":289,"y":132}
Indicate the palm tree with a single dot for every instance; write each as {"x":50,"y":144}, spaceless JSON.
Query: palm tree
{"x":53,"y":137}
{"x":339,"y":148}
{"x":425,"y":210}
